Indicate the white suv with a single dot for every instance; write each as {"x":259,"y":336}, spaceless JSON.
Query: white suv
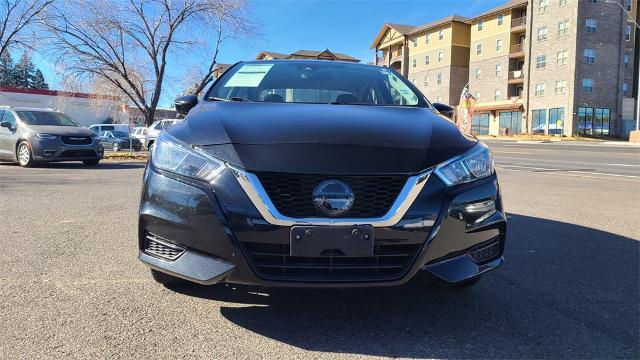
{"x":154,"y":129}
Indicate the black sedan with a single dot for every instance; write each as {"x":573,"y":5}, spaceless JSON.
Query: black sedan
{"x":319,"y":174}
{"x":119,"y":140}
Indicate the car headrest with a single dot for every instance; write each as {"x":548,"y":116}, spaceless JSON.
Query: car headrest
{"x":273,"y":98}
{"x":346,"y":99}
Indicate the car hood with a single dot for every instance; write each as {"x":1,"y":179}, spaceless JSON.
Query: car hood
{"x":321,"y":138}
{"x":61,"y":130}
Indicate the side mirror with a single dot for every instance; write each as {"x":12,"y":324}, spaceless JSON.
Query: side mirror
{"x":443,"y":109}
{"x":6,"y":124}
{"x":185,"y":103}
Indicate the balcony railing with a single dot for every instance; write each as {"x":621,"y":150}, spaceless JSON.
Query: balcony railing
{"x":516,"y":75}
{"x":519,"y":22}
{"x":517,"y":48}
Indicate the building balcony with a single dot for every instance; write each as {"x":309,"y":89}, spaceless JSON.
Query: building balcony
{"x":516,"y":77}
{"x":519,"y":24}
{"x":516,"y":51}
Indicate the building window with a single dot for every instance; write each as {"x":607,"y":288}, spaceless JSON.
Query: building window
{"x":499,"y":45}
{"x":440,"y":56}
{"x":510,"y":122}
{"x":628,"y":5}
{"x":587,"y":86}
{"x":627,"y":60}
{"x":497,"y":95}
{"x":500,"y":19}
{"x":543,"y":5}
{"x":426,"y":81}
{"x":441,"y":34}
{"x":593,"y":1}
{"x":563,"y":3}
{"x":413,"y":62}
{"x":593,"y":121}
{"x":539,"y":121}
{"x":561,"y":86}
{"x":478,"y":49}
{"x":625,"y":89}
{"x":556,"y":121}
{"x":540,"y":89}
{"x":480,"y":124}
{"x":589,"y":56}
{"x":542,"y":33}
{"x":415,"y":42}
{"x":563,"y":28}
{"x":439,"y":79}
{"x":627,"y":33}
{"x":498,"y":69}
{"x":427,"y":59}
{"x":541,"y":61}
{"x":480,"y":24}
{"x":478,"y":73}
{"x":561,"y":57}
{"x":477,"y":95}
{"x":426,"y":38}
{"x":591,"y":25}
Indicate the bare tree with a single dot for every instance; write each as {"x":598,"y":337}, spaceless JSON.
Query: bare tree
{"x":128,"y":43}
{"x":16,"y":18}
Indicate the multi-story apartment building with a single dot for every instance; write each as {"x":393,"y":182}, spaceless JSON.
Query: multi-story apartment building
{"x":547,"y":67}
{"x":434,"y":56}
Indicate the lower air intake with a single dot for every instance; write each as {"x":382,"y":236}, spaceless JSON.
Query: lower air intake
{"x":486,"y":253}
{"x":160,"y":247}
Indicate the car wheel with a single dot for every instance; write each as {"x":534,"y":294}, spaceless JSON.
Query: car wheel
{"x":24,"y":156}
{"x":166,"y":279}
{"x":116,"y":147}
{"x":91,"y":162}
{"x":150,"y":146}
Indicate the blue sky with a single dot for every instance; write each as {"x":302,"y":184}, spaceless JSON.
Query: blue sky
{"x":346,"y":26}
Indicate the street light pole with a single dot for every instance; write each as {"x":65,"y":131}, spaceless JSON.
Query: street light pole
{"x":629,"y":15}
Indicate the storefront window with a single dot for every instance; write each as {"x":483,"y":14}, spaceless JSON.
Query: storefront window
{"x":510,"y":122}
{"x":480,"y":124}
{"x":556,"y":121}
{"x":593,"y":121}
{"x":539,"y":124}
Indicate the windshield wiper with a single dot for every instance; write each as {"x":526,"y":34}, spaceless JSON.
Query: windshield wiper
{"x":235,"y":98}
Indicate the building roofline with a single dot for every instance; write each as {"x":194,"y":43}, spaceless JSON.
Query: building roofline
{"x":410,"y":29}
{"x":508,"y":6}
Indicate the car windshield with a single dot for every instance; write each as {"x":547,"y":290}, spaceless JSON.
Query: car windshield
{"x":120,"y":134}
{"x":315,"y":82}
{"x":46,"y":118}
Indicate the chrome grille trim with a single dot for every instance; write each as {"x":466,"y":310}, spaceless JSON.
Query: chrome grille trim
{"x":258,"y":196}
{"x":160,"y":247}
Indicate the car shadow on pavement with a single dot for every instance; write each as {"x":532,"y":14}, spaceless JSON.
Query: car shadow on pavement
{"x":566,"y":291}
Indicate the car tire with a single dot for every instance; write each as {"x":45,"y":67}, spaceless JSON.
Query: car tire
{"x":167,"y":280}
{"x":116,"y":147}
{"x":91,"y":162}
{"x":24,"y":155}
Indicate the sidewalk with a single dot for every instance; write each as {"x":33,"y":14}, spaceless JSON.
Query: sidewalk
{"x":539,"y":139}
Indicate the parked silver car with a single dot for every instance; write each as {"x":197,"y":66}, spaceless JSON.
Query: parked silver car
{"x":30,"y":135}
{"x":155,"y":128}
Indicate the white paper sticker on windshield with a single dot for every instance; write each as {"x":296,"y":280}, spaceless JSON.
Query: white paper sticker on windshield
{"x":249,"y":75}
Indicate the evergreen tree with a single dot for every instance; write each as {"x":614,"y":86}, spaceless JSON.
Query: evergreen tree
{"x":6,"y":70}
{"x":38,"y":81}
{"x":24,"y":71}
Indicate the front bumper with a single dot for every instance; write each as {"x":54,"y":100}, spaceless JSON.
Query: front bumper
{"x":217,"y":229}
{"x":45,"y":150}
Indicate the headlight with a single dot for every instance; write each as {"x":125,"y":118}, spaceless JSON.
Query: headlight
{"x":172,"y":155}
{"x":46,"y":136}
{"x":475,"y":165}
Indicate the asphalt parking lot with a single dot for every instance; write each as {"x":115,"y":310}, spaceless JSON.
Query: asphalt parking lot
{"x":71,"y":286}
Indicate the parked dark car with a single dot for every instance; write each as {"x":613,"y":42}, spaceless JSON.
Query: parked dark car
{"x":119,"y":140}
{"x":320,"y":174}
{"x":31,"y":135}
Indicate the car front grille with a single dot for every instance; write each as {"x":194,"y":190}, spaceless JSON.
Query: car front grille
{"x":273,"y":261}
{"x":160,"y":247}
{"x":292,"y":193}
{"x":77,"y":140}
{"x":78,"y":153}
{"x":486,"y":253}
